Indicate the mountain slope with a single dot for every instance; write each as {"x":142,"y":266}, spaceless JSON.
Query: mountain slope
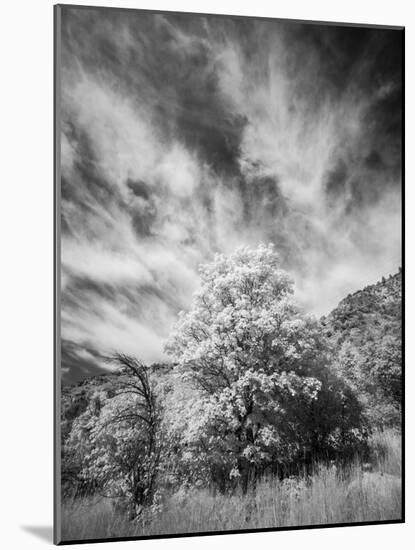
{"x":365,"y":330}
{"x":368,"y":314}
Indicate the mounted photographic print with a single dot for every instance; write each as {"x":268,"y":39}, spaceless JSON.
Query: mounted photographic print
{"x":228,"y":290}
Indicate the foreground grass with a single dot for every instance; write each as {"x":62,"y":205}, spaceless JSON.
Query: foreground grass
{"x":330,"y":495}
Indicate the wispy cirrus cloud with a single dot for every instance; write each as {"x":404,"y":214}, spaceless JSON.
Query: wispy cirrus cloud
{"x":187,"y":135}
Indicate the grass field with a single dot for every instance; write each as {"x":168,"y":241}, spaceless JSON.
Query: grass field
{"x":355,"y":493}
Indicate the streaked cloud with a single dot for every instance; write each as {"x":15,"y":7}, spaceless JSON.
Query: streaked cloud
{"x":184,"y":136}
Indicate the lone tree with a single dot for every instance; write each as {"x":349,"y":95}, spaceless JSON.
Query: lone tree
{"x":119,"y":437}
{"x":266,"y":397}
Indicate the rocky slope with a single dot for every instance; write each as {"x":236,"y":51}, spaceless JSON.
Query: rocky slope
{"x":365,"y":331}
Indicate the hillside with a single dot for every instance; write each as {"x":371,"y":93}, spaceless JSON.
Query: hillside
{"x":368,"y":314}
{"x":365,"y":330}
{"x":75,"y":397}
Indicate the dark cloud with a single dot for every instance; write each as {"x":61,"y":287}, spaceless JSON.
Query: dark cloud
{"x":336,"y":179}
{"x":374,"y":161}
{"x":139,"y":188}
{"x":79,"y":363}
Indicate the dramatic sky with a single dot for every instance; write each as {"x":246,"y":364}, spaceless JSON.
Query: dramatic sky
{"x":185,"y":135}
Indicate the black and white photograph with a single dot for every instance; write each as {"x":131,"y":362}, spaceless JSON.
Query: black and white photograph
{"x":229,"y":274}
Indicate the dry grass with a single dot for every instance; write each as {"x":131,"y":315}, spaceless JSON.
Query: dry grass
{"x":330,"y":495}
